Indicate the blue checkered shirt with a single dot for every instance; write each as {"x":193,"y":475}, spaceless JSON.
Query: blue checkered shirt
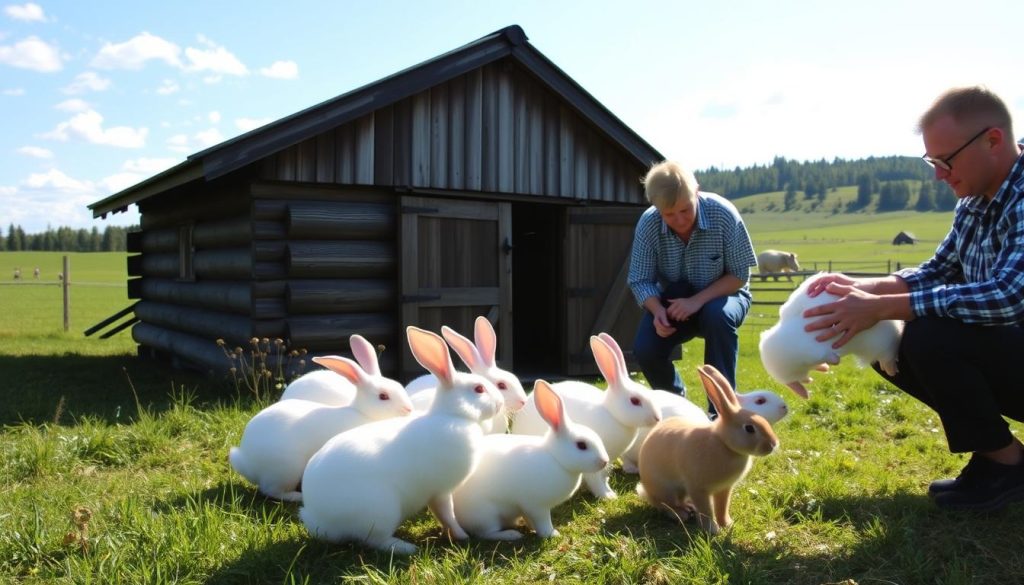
{"x":977,"y":273}
{"x":719,"y":245}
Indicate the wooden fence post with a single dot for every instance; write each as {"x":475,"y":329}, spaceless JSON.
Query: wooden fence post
{"x":65,"y":283}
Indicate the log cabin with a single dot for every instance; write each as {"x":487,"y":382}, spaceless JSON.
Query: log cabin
{"x":483,"y":181}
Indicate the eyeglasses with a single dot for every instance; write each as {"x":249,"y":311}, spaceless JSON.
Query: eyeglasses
{"x":946,"y":164}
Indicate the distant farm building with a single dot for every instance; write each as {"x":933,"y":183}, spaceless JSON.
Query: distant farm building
{"x":484,"y":181}
{"x":904,"y":238}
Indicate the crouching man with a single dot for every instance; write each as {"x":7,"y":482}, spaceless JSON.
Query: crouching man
{"x":962,"y":345}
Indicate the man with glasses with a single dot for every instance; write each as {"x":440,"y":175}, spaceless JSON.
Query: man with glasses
{"x":964,"y":308}
{"x":690,"y":271}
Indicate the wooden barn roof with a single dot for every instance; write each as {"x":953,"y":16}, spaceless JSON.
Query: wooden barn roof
{"x":510,"y":42}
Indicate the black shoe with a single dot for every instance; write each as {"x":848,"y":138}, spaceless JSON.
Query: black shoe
{"x":983,"y":486}
{"x":966,"y":477}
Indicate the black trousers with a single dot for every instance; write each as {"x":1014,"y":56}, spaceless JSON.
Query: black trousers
{"x":971,"y":375}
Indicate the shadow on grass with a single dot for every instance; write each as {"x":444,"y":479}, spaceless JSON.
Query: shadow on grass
{"x":892,"y":538}
{"x":41,"y":389}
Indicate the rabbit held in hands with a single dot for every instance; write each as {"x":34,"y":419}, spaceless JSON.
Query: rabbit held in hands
{"x":362,"y":484}
{"x":280,"y":439}
{"x":479,"y":357}
{"x":764,"y":402}
{"x":788,"y":353}
{"x":614,"y":414}
{"x":687,"y":463}
{"x":525,"y":476}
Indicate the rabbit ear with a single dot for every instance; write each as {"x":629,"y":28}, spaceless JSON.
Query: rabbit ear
{"x":343,"y":366}
{"x":610,"y":341}
{"x":606,"y":360}
{"x":464,"y":347}
{"x":716,"y":393}
{"x":549,"y":405}
{"x":364,"y":353}
{"x":432,"y":353}
{"x":486,"y":340}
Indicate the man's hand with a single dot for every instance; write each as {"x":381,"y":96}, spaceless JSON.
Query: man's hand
{"x":682,"y":309}
{"x":852,"y":313}
{"x":662,"y":326}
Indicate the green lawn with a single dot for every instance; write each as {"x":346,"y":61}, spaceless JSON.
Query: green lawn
{"x":88,"y":426}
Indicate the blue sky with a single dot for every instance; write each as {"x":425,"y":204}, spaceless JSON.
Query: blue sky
{"x":98,"y":95}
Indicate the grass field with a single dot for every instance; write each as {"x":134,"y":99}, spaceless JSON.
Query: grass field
{"x":113,"y":470}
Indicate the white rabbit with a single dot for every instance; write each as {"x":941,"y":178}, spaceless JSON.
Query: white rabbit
{"x":685,"y":462}
{"x":788,"y":352}
{"x":480,"y":359}
{"x":615,"y":414}
{"x":523,"y":476}
{"x":280,"y":439}
{"x":764,"y":402}
{"x":327,"y":387}
{"x":363,"y":483}
{"x":322,"y":386}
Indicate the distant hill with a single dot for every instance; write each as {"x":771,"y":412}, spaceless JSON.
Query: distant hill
{"x":887,"y":183}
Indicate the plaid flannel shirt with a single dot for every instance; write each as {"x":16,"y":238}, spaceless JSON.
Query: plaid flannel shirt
{"x":719,"y":245}
{"x":977,"y":272}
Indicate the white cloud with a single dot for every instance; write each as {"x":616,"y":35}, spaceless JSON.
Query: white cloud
{"x":36,"y":152}
{"x":14,"y":91}
{"x":167,"y":87}
{"x":208,"y":138}
{"x":28,"y":12}
{"x":55,"y":199}
{"x":73,"y":105}
{"x":135,"y":52}
{"x":214,"y":59}
{"x":56,"y":181}
{"x":281,"y":70}
{"x":149,"y":166}
{"x":178,"y":143}
{"x":246,"y":124}
{"x":32,"y":53}
{"x":88,"y":81}
{"x":135,"y":171}
{"x":214,"y":117}
{"x":88,"y":125}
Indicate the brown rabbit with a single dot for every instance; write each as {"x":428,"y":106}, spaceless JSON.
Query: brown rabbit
{"x":686,"y":461}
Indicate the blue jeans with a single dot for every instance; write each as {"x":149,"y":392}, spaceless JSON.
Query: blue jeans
{"x":716,"y":323}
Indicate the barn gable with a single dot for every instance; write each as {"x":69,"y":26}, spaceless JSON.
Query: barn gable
{"x":484,"y":181}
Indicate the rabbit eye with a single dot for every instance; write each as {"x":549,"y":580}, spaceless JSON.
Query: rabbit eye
{"x":760,"y":400}
{"x":581,"y":445}
{"x":502,"y":386}
{"x":479,"y":389}
{"x":749,"y":428}
{"x":634,"y":401}
{"x":383,"y":396}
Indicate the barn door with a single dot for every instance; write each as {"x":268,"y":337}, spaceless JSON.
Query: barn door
{"x":597,"y":249}
{"x":456,"y":264}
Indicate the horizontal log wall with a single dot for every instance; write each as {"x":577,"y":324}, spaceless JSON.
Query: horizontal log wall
{"x":217,"y":301}
{"x":495,"y":130}
{"x":335,"y":250}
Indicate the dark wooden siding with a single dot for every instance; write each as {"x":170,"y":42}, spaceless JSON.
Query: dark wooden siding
{"x":185,"y":316}
{"x":329,"y":265}
{"x":495,"y":129}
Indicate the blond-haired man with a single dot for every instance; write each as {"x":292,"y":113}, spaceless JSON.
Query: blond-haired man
{"x":690,"y":271}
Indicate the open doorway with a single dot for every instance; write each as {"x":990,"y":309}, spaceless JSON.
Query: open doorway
{"x":538,"y":338}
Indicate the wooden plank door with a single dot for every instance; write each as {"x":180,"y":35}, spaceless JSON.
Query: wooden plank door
{"x":597,"y":247}
{"x":456,"y":264}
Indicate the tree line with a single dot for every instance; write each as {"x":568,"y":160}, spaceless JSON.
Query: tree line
{"x":887,"y":177}
{"x":66,"y":239}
